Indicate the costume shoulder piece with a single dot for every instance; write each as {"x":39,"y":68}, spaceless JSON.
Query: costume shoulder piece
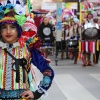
{"x":29,"y":34}
{"x":33,"y":43}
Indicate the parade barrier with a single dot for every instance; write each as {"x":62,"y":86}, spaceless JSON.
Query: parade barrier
{"x":65,"y":46}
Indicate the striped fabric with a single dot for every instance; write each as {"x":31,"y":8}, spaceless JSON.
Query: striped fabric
{"x":8,"y":79}
{"x":7,"y":74}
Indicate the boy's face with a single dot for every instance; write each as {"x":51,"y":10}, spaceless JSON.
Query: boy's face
{"x":46,"y":20}
{"x":9,"y":33}
{"x":72,"y":23}
{"x":89,"y":16}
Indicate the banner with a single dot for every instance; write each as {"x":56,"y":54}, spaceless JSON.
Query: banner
{"x":49,"y":6}
{"x":71,"y":5}
{"x":94,"y":0}
{"x":53,"y":6}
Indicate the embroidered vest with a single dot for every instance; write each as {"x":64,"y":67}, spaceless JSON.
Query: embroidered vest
{"x":8,"y":73}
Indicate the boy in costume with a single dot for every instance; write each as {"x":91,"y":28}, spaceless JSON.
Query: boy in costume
{"x":18,"y":50}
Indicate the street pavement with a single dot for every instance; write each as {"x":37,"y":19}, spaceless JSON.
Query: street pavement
{"x":72,"y":81}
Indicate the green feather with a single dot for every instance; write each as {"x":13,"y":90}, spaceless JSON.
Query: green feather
{"x":21,"y":19}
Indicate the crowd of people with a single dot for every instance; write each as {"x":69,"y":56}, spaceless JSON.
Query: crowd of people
{"x":71,"y":30}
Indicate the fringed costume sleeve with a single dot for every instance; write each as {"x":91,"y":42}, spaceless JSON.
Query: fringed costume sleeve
{"x":45,"y":69}
{"x":42,"y":64}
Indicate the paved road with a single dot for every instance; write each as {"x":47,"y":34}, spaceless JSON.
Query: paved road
{"x":74,"y":82}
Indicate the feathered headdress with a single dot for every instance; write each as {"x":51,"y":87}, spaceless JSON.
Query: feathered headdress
{"x":17,"y":11}
{"x":14,"y":11}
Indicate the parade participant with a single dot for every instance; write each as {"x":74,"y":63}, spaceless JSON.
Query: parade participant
{"x":45,"y":32}
{"x":65,"y":34}
{"x":91,"y":23}
{"x":74,"y":35}
{"x":89,"y":18}
{"x":17,"y":79}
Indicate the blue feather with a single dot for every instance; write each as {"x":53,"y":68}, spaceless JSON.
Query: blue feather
{"x":1,"y":14}
{"x":9,"y":6}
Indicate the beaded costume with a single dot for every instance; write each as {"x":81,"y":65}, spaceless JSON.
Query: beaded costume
{"x":16,"y":72}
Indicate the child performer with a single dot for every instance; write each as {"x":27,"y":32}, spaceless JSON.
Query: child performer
{"x":16,"y":55}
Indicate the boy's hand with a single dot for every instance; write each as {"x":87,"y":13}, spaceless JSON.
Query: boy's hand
{"x":27,"y":94}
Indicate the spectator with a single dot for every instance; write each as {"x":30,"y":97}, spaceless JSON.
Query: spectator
{"x":45,"y":32}
{"x":74,"y":35}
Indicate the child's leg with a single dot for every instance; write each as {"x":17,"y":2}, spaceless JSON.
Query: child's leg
{"x":62,"y":55}
{"x":84,"y":59}
{"x":45,"y":52}
{"x":75,"y":57}
{"x":97,"y":56}
{"x":67,"y":55}
{"x":71,"y":53}
{"x":89,"y":61}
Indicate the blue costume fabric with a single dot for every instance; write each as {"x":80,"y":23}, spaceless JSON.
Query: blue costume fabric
{"x":43,"y":66}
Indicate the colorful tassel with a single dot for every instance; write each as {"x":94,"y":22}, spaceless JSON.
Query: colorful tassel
{"x":86,"y":43}
{"x":97,"y":45}
{"x":93,"y":47}
{"x":80,"y":46}
{"x":83,"y":46}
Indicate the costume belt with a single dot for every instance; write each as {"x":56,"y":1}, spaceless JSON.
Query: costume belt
{"x":11,"y":94}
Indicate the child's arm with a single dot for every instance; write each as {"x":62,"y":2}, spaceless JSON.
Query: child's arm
{"x":45,"y":69}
